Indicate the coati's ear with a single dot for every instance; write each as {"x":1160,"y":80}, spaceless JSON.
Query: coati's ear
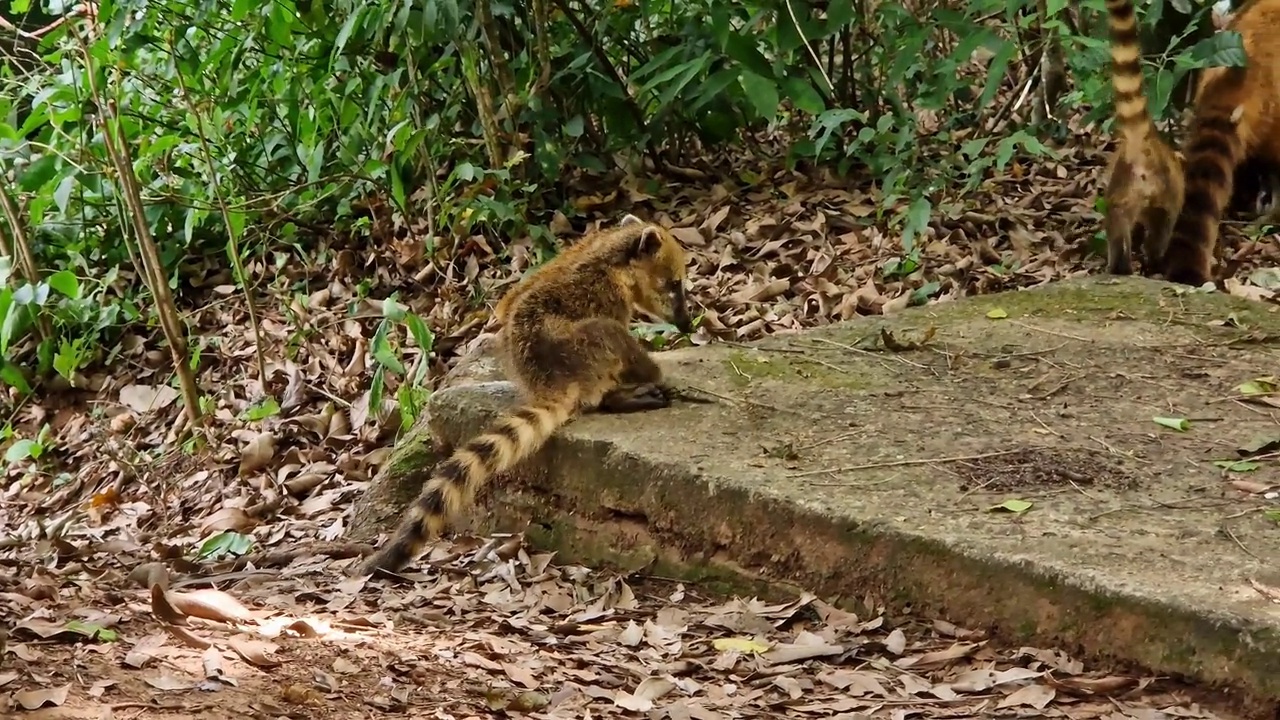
{"x":646,"y":245}
{"x":629,"y":219}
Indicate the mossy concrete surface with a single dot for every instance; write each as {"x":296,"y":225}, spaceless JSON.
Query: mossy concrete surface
{"x":831,"y":463}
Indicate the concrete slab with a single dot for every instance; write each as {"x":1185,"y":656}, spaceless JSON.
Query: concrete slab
{"x":834,"y":464}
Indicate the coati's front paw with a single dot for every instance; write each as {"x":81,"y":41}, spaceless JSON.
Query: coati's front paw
{"x":636,"y":398}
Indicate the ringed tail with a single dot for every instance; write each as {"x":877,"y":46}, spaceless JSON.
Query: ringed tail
{"x":1213,"y":151}
{"x":509,"y":439}
{"x":1132,"y":117}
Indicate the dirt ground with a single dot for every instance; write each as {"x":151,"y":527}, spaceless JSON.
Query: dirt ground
{"x":488,"y":630}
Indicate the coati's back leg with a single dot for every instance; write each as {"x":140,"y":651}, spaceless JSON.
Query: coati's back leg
{"x":1157,"y":226}
{"x":1120,"y":222}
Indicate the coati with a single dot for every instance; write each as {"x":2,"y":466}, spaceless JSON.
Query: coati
{"x":567,"y":346}
{"x":1236,"y":117}
{"x":1144,"y":190}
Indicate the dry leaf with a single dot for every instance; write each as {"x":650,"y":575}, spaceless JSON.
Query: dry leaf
{"x":257,"y":453}
{"x":168,"y":681}
{"x":1036,"y":696}
{"x":34,"y":699}
{"x":228,"y":518}
{"x":253,"y":651}
{"x":641,"y":700}
{"x":210,"y":604}
{"x":896,"y":642}
{"x":144,"y":650}
{"x":145,"y":398}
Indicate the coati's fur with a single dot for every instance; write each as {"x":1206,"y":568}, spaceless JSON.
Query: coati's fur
{"x":567,"y":346}
{"x":1236,"y":117}
{"x":1145,"y":185}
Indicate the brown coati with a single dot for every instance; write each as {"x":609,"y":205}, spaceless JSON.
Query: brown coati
{"x":1145,"y":184}
{"x":567,"y":346}
{"x":1236,"y":117}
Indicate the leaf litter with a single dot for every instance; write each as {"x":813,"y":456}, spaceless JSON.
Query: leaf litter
{"x":153,"y":578}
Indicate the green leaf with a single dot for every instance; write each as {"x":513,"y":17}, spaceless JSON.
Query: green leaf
{"x":422,"y":335}
{"x":383,"y":353}
{"x":62,"y":194}
{"x":265,"y":408}
{"x":918,"y":214}
{"x":1013,"y":506}
{"x":762,"y":92}
{"x":92,"y":631}
{"x":804,"y":96}
{"x":39,"y":172}
{"x":11,"y":375}
{"x":1272,"y":515}
{"x":1222,"y":49}
{"x":392,"y":310}
{"x":1179,"y":424}
{"x":997,"y":314}
{"x":996,"y":70}
{"x":67,"y":358}
{"x":226,"y":542}
{"x":347,"y":28}
{"x":23,"y":449}
{"x":1258,"y":386}
{"x":1259,"y":445}
{"x":65,"y":282}
{"x":376,"y":389}
{"x":1237,"y":465}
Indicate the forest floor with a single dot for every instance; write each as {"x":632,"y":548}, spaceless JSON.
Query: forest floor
{"x":204,"y":579}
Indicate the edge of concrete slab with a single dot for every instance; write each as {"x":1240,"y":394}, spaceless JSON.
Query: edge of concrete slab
{"x":688,"y":524}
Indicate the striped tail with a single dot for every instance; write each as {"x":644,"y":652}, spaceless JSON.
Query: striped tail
{"x":454,"y":484}
{"x":1132,"y":117}
{"x":1214,"y":149}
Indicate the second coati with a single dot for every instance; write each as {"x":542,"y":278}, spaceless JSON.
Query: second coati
{"x":1236,"y":117}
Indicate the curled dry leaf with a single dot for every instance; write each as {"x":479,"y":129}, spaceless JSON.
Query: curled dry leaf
{"x":35,"y":699}
{"x":783,"y":653}
{"x":144,"y":650}
{"x":521,"y":675}
{"x":146,"y":398}
{"x":210,"y":604}
{"x":187,"y":637}
{"x":168,"y":681}
{"x":253,"y":652}
{"x":1109,"y":685}
{"x":211,"y":661}
{"x":1036,"y":696}
{"x":228,"y":518}
{"x":163,"y":609}
{"x":641,"y":700}
{"x":257,"y":453}
{"x":896,"y":642}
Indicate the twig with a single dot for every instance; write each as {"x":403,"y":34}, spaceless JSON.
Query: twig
{"x":1236,"y":540}
{"x":1047,"y":331}
{"x":598,"y":53}
{"x":25,"y":257}
{"x":917,"y":461}
{"x":1056,"y":388}
{"x":1042,"y":424}
{"x":237,"y":263}
{"x":114,"y":140}
{"x":831,"y":88}
{"x":757,"y":403}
